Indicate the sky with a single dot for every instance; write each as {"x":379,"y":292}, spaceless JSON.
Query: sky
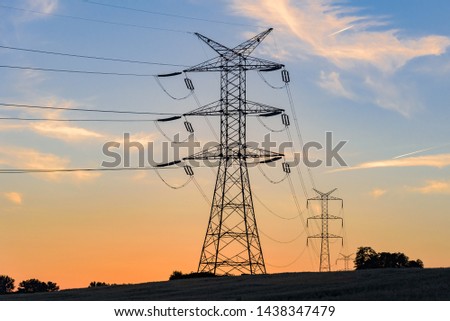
{"x":374,"y":73}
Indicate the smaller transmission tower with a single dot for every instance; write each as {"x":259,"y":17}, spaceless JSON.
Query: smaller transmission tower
{"x":325,"y":236}
{"x":346,"y":259}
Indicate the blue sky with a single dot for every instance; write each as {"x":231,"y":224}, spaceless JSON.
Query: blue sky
{"x":375,"y":73}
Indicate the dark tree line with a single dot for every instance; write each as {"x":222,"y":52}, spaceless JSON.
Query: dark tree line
{"x":6,"y":284}
{"x":34,"y":285}
{"x":96,"y":284}
{"x":26,"y":286}
{"x":176,"y":275}
{"x":367,"y":258}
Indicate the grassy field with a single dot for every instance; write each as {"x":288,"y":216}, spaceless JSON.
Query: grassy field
{"x":381,"y":284}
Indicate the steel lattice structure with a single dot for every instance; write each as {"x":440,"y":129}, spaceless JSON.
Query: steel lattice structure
{"x":232,"y":244}
{"x":347,"y":259}
{"x":324,"y":236}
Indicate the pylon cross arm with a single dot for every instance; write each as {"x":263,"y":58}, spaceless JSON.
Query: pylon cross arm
{"x":234,"y":64}
{"x":217,"y":152}
{"x":237,"y":58}
{"x":216,"y":109}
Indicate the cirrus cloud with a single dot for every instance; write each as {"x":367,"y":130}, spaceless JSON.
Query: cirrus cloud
{"x":361,"y":52}
{"x":377,"y":192}
{"x":44,"y":6}
{"x":433,"y":187}
{"x":338,"y":34}
{"x":14,"y":197}
{"x":437,"y":161}
{"x":28,"y":158}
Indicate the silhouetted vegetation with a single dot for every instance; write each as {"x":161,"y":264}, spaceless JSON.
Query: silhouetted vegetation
{"x":6,"y":284}
{"x":368,"y":258}
{"x":95,"y":284}
{"x":34,"y":285}
{"x":370,"y":285}
{"x":176,"y":275}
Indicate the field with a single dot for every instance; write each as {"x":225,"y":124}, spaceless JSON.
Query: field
{"x":381,"y":284}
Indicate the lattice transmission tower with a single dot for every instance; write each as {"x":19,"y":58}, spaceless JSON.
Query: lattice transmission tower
{"x":347,"y":259}
{"x":324,"y":236}
{"x":231,"y":244}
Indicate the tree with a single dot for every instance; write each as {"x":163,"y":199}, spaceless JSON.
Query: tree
{"x":95,"y":284}
{"x":6,"y":284}
{"x":176,"y":275}
{"x":415,"y":264}
{"x":367,"y":258}
{"x":34,"y":285}
{"x":392,"y":260}
{"x":52,"y":287}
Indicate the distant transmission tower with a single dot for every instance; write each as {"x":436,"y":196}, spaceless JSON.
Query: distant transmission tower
{"x":346,"y":259}
{"x":324,"y":217}
{"x":231,"y":244}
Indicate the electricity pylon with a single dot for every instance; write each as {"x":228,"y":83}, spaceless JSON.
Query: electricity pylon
{"x":346,"y":259}
{"x":232,"y":244}
{"x":325,"y":236}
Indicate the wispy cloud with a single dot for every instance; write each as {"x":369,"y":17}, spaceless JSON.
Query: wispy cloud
{"x":27,"y":158}
{"x":377,"y":192}
{"x":433,"y":187}
{"x":332,"y":83}
{"x":45,"y":6}
{"x":362,"y":47}
{"x":437,"y":161}
{"x":58,"y":130}
{"x":311,"y":23}
{"x":386,"y":93}
{"x":16,"y":157}
{"x":14,"y":197}
{"x":64,"y":132}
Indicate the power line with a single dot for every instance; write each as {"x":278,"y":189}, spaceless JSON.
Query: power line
{"x":297,"y":128}
{"x":292,"y":262}
{"x":76,"y":120}
{"x":168,"y":93}
{"x":93,"y":20}
{"x":282,"y":242}
{"x":68,"y":170}
{"x":269,"y":128}
{"x":271,"y":180}
{"x":90,"y":72}
{"x":271,"y":211}
{"x":200,"y":189}
{"x":173,"y":186}
{"x":26,"y":106}
{"x":91,"y":57}
{"x":158,"y":13}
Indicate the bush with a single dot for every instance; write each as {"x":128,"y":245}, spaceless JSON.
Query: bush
{"x":367,"y":258}
{"x":95,"y":284}
{"x":6,"y":284}
{"x":34,"y":285}
{"x":176,"y":275}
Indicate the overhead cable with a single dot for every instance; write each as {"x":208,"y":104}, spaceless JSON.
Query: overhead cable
{"x":93,"y":20}
{"x":91,"y":57}
{"x":130,"y":112}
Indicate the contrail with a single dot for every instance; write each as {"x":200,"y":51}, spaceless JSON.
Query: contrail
{"x":342,"y":30}
{"x":420,"y":151}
